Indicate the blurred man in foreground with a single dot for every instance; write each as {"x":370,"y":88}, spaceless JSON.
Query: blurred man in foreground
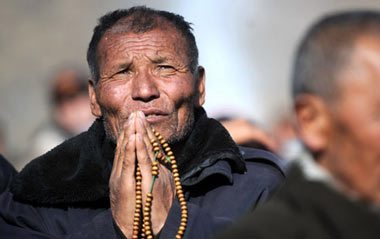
{"x":145,"y":73}
{"x":334,"y":193}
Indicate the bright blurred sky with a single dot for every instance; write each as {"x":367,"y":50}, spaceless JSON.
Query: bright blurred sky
{"x":229,"y":76}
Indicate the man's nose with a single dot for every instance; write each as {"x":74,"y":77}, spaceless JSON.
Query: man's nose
{"x":144,"y":87}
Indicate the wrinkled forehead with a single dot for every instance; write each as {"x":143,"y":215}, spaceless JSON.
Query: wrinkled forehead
{"x":146,"y":23}
{"x":153,"y":43}
{"x":170,"y":36}
{"x":141,"y":24}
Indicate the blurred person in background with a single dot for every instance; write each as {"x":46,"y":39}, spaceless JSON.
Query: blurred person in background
{"x":334,"y":191}
{"x":247,"y":134}
{"x":70,"y":112}
{"x":287,"y":143}
{"x":281,"y":139}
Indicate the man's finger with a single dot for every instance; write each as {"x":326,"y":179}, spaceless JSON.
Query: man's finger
{"x":143,"y":127}
{"x":144,"y":161}
{"x":127,"y":130}
{"x":129,"y":162}
{"x":147,"y":126}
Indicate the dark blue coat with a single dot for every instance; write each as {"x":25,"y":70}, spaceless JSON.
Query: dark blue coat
{"x":64,"y":194}
{"x":7,"y":172}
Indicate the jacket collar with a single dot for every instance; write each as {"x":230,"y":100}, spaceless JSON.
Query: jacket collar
{"x":77,"y":171}
{"x":74,"y":172}
{"x":207,"y":145}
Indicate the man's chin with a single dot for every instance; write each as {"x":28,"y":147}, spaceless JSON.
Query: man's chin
{"x":109,"y":135}
{"x":178,"y":137}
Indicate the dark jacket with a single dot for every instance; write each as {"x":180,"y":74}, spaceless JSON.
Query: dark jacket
{"x":304,"y":209}
{"x":7,"y":172}
{"x":65,"y":193}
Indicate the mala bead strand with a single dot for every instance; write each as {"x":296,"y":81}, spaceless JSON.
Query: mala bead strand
{"x":147,"y":209}
{"x":155,"y":168}
{"x":181,"y":197}
{"x":147,"y":227}
{"x":169,"y":157}
{"x":137,"y":215}
{"x":164,"y":144}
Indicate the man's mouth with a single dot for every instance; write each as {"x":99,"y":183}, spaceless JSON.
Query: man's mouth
{"x":153,"y":115}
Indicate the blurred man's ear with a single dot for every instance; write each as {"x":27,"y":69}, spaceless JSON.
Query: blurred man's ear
{"x":95,"y":107}
{"x":200,"y":87}
{"x":313,"y":120}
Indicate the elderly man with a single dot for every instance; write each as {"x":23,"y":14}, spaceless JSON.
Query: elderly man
{"x":145,"y":74}
{"x":334,"y":193}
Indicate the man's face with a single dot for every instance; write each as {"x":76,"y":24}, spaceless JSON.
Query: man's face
{"x":146,"y":72}
{"x":353,"y":151}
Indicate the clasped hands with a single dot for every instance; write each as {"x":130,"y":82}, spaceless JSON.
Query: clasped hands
{"x":134,"y":146}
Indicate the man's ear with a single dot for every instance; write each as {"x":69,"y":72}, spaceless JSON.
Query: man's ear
{"x":95,"y":107}
{"x":199,"y":100}
{"x":313,"y":122}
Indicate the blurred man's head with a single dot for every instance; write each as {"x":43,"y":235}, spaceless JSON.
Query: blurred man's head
{"x":145,"y":60}
{"x":70,"y":100}
{"x":336,"y":86}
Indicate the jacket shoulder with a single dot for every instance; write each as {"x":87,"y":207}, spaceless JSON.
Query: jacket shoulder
{"x":263,"y":157}
{"x":265,"y":172}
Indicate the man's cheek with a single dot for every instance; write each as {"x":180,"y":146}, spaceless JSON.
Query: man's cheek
{"x":110,"y":104}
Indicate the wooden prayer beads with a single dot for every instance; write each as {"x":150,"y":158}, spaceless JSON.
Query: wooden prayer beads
{"x":166,"y":156}
{"x":136,"y":219}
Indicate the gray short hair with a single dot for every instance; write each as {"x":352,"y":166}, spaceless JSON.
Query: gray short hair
{"x":327,"y":48}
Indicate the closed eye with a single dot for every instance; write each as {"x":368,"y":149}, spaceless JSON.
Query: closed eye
{"x":166,"y":67}
{"x":125,"y":71}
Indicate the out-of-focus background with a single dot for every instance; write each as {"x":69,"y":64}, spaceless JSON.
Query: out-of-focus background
{"x":246,"y":47}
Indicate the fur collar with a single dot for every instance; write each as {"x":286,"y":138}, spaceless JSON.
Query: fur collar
{"x":208,"y":142}
{"x":77,"y":171}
